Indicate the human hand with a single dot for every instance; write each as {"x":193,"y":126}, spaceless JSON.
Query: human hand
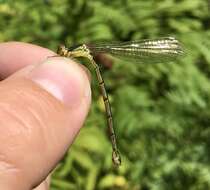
{"x":43,"y":104}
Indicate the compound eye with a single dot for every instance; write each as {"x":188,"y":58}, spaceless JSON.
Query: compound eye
{"x":61,"y":50}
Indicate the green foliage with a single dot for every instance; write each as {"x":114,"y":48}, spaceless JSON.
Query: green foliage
{"x":161,"y":112}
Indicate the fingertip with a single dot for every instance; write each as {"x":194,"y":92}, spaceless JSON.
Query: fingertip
{"x":16,"y":55}
{"x":64,"y":79}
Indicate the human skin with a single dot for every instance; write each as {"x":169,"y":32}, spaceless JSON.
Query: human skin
{"x":44,"y":101}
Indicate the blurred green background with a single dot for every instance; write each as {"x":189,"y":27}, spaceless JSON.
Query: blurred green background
{"x":161,"y":111}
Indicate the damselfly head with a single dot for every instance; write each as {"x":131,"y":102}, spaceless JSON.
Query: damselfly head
{"x":62,"y":50}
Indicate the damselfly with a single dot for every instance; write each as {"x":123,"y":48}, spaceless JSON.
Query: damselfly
{"x":145,"y":51}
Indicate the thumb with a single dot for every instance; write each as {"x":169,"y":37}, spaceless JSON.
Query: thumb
{"x":42,"y":108}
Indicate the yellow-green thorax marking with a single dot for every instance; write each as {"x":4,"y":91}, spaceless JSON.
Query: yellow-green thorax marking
{"x":83,"y":51}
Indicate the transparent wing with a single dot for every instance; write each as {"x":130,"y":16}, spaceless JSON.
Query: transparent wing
{"x":149,"y":51}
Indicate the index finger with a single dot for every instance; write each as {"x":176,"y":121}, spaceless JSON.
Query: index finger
{"x":16,"y":55}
